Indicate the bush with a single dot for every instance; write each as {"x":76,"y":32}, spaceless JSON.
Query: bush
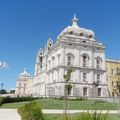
{"x":31,"y":111}
{"x":1,"y":100}
{"x":86,"y":116}
{"x":15,"y":99}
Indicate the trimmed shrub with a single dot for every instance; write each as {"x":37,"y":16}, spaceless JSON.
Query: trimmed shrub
{"x":31,"y":111}
{"x":15,"y":99}
{"x":1,"y":100}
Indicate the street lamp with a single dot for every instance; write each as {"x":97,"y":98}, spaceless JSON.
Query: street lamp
{"x":1,"y":86}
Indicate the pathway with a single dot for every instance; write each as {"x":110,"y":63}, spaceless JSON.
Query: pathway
{"x":11,"y":114}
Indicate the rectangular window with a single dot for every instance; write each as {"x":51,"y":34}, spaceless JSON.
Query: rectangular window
{"x":113,"y":72}
{"x":84,"y":77}
{"x":98,"y":78}
{"x":85,"y":91}
{"x":99,"y":91}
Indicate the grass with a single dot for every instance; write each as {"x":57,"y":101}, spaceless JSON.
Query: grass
{"x":58,"y":104}
{"x":73,"y":104}
{"x":13,"y":105}
{"x":57,"y":117}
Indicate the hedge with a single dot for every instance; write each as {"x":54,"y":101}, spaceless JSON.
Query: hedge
{"x":15,"y":99}
{"x":31,"y":111}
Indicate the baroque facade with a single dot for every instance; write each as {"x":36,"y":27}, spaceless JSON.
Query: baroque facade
{"x":75,"y":48}
{"x":112,"y":67}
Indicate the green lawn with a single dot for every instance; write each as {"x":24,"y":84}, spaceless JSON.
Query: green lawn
{"x":58,"y":104}
{"x":57,"y":117}
{"x":86,"y":104}
{"x":13,"y":105}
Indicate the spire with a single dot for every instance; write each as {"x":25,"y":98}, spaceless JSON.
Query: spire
{"x":25,"y":69}
{"x":50,"y":35}
{"x":75,"y":20}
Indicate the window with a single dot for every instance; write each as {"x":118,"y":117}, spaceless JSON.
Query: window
{"x":113,"y":71}
{"x":107,"y":70}
{"x":84,"y":41}
{"x":84,"y":76}
{"x":81,"y":34}
{"x":99,"y":91}
{"x":20,"y":85}
{"x":58,"y":57}
{"x":113,"y":95}
{"x":84,"y":61}
{"x":98,"y":78}
{"x":85,"y":91}
{"x":98,"y":63}
{"x":53,"y":61}
{"x":112,"y":83}
{"x":69,"y":60}
{"x":90,"y":36}
{"x":71,"y":32}
{"x":24,"y":85}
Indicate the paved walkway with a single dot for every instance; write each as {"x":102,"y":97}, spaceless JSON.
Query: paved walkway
{"x":11,"y":114}
{"x":47,"y":111}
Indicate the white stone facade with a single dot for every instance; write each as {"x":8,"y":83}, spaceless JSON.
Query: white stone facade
{"x":22,"y":83}
{"x":75,"y":48}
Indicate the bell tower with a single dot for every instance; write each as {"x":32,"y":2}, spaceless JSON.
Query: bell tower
{"x":39,"y":61}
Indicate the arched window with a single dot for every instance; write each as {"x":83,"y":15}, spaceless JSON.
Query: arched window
{"x":85,"y":60}
{"x":98,"y":63}
{"x":70,"y":58}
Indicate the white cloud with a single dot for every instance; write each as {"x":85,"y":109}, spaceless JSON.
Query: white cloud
{"x":3,"y":65}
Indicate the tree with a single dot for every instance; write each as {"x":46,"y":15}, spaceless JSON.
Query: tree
{"x":3,"y":91}
{"x":67,"y":90}
{"x":12,"y":91}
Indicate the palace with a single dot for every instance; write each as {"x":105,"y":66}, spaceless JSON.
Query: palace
{"x":75,"y":48}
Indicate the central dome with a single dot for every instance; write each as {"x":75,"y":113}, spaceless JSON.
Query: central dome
{"x":76,"y":30}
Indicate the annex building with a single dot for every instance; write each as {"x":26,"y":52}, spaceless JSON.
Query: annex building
{"x":75,"y":48}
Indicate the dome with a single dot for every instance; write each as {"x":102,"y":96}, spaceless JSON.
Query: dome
{"x":76,"y":30}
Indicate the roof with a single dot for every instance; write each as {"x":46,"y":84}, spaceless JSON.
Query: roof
{"x":76,"y":30}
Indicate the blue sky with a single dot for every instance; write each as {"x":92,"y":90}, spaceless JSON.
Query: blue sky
{"x":25,"y":26}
